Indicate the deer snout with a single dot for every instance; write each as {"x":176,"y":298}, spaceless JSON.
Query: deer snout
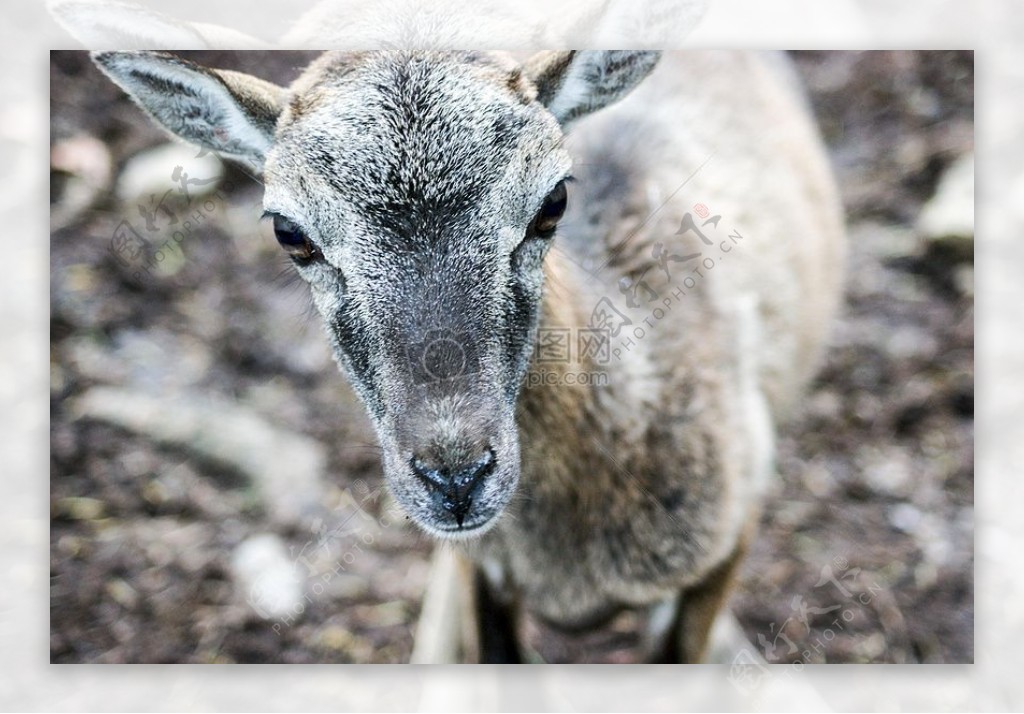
{"x":453,"y":484}
{"x":452,"y":461}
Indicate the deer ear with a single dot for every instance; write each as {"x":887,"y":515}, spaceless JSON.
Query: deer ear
{"x":575,"y":83}
{"x":229,"y":112}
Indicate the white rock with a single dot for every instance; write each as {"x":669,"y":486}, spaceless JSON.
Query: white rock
{"x":904,"y":517}
{"x":887,"y":472}
{"x":266,"y":578}
{"x":88,"y":167}
{"x":155,"y":171}
{"x":950,"y":212}
{"x":84,"y":156}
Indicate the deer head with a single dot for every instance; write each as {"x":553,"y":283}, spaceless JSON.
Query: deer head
{"x":417,"y":194}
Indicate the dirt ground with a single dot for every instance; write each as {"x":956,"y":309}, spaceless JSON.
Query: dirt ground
{"x":866,"y":546}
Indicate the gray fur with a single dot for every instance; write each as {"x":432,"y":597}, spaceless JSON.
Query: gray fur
{"x":418,"y":174}
{"x":228,"y":112}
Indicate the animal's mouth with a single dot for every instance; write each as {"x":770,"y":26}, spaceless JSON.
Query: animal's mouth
{"x":476,"y":518}
{"x":467,"y":530}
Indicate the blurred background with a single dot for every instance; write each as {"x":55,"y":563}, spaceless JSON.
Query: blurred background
{"x":215,"y":489}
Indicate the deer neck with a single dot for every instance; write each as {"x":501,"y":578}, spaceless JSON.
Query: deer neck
{"x":577,"y":395}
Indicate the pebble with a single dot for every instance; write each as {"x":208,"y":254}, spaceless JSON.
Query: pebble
{"x":170,"y":167}
{"x":887,"y":472}
{"x":267,"y":578}
{"x":949,"y":214}
{"x":87,"y":165}
{"x":904,"y":517}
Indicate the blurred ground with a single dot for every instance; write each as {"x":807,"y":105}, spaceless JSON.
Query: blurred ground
{"x":162,"y":537}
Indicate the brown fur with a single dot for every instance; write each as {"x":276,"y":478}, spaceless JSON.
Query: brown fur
{"x":628,"y":494}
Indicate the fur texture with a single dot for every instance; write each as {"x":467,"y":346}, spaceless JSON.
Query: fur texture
{"x":417,"y":176}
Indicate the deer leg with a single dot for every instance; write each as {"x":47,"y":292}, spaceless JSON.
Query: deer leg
{"x":446,"y":632}
{"x":496,"y":621}
{"x":687,"y":638}
{"x":462,"y":619}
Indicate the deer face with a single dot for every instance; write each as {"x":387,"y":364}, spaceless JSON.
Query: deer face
{"x":421,"y":191}
{"x":417,"y":194}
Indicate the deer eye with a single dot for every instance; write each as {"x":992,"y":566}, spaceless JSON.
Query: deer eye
{"x":551,"y":211}
{"x":294,"y":240}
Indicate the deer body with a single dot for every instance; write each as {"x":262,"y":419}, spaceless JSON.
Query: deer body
{"x":637,"y":490}
{"x":418,"y":195}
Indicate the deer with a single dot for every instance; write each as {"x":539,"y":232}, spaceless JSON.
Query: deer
{"x":451,"y":210}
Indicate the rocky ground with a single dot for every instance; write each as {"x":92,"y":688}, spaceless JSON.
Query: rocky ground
{"x":215,"y":490}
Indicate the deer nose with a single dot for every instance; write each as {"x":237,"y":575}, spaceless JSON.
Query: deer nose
{"x":454,"y":486}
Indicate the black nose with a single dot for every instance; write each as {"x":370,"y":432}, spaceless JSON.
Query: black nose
{"x":454,"y":487}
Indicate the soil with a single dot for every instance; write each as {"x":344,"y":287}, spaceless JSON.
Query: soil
{"x":865,"y":552}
